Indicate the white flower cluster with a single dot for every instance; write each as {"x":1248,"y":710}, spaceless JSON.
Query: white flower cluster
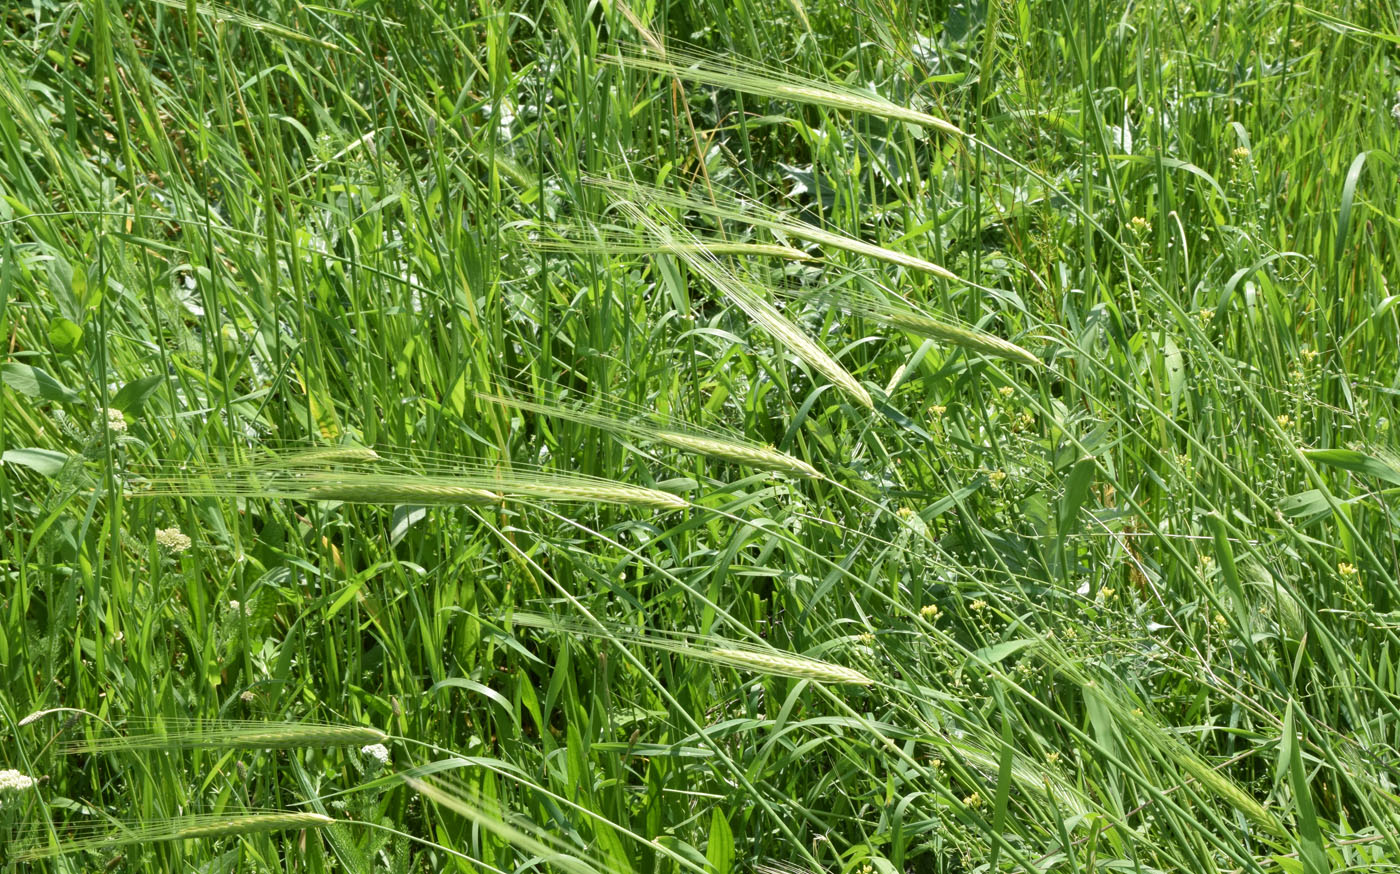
{"x":116,"y":421}
{"x":172,"y":540}
{"x":378,"y":752}
{"x":13,"y":781}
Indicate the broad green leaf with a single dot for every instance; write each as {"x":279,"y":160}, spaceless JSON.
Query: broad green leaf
{"x":995,"y":653}
{"x":35,"y":383}
{"x":1311,"y":851}
{"x":133,"y":395}
{"x":1358,"y":462}
{"x":45,"y":462}
{"x":720,"y":850}
{"x":65,"y":335}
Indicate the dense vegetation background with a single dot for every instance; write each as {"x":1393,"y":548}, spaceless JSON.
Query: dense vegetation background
{"x":1134,"y":608}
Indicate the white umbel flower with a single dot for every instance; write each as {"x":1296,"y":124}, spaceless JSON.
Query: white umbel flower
{"x":172,"y":540}
{"x":13,"y":781}
{"x":378,"y":752}
{"x":116,"y":421}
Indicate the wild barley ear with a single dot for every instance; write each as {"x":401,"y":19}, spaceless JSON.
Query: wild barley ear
{"x":401,"y":493}
{"x":727,"y":206}
{"x":452,"y":481}
{"x":325,"y":455}
{"x":727,"y":447}
{"x":707,"y":648}
{"x":787,"y":665}
{"x":176,"y":734}
{"x":908,"y":319}
{"x":589,"y":239}
{"x":751,"y":302}
{"x":36,"y":845}
{"x":751,"y":78}
{"x":522,"y":834}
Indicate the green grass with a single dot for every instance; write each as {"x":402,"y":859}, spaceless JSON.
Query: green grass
{"x":716,"y":437}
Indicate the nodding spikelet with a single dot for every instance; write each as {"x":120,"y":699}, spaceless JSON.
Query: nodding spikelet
{"x":752,"y":303}
{"x":732,"y":449}
{"x":171,"y":734}
{"x":704,"y":648}
{"x":614,"y":494}
{"x":522,"y":834}
{"x":974,"y":341}
{"x":451,"y":482}
{"x":788,"y":666}
{"x":1151,"y":733}
{"x":37,"y":845}
{"x":754,"y":456}
{"x":914,"y":322}
{"x":401,"y":493}
{"x":589,"y":239}
{"x":730,"y":208}
{"x":752,"y":79}
{"x":323,"y":455}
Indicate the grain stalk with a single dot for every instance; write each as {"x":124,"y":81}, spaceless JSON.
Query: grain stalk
{"x":751,"y":302}
{"x":729,"y":448}
{"x":179,"y":734}
{"x":730,"y":207}
{"x":752,"y":79}
{"x":82,"y":838}
{"x":729,"y":653}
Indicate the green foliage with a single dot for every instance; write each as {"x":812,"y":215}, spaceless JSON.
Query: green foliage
{"x":697,"y":437}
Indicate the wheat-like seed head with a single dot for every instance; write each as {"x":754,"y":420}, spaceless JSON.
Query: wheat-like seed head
{"x":788,"y":665}
{"x":751,"y":302}
{"x":379,"y":492}
{"x":226,"y":734}
{"x":326,"y":455}
{"x":768,"y":83}
{"x":707,"y":648}
{"x":37,"y":844}
{"x":611,"y":494}
{"x":976,"y":341}
{"x":728,"y":207}
{"x":750,"y":455}
{"x":721,"y":447}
